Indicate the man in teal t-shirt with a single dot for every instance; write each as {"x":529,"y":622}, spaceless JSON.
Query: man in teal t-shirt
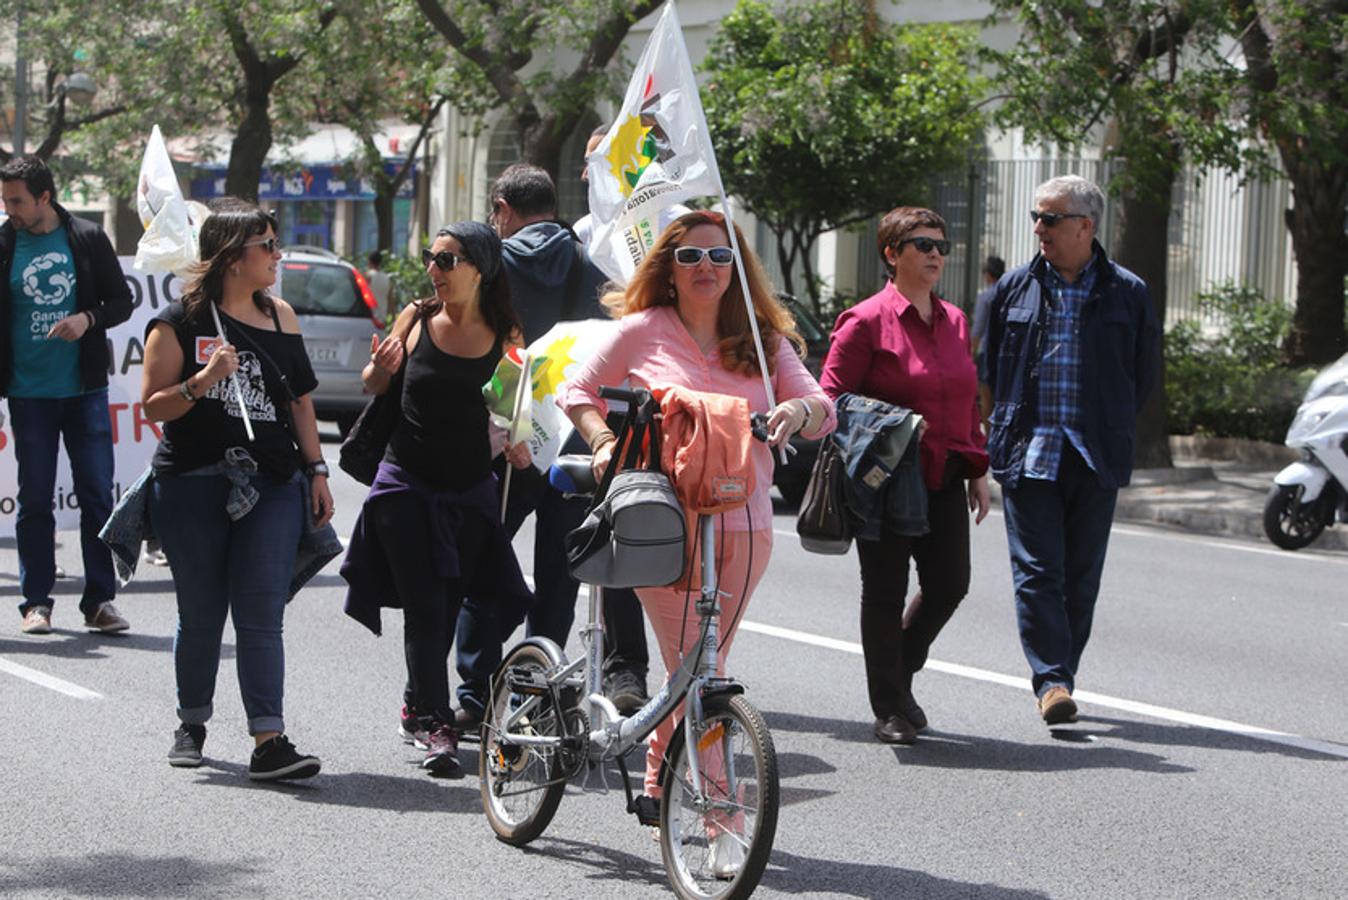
{"x":61,"y":288}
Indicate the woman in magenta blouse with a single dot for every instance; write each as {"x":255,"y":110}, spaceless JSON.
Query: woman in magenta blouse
{"x":908,"y":347}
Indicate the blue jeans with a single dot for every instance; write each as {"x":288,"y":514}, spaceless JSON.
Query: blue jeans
{"x":221,"y":567}
{"x":38,"y":424}
{"x":1058,"y":532}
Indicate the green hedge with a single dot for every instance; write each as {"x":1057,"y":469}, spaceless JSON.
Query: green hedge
{"x":1226,"y":379}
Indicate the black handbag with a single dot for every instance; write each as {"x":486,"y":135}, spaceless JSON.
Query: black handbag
{"x":366,"y":442}
{"x":824,"y":524}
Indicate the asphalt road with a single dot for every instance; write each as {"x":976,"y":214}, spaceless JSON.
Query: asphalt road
{"x":1211,"y":759}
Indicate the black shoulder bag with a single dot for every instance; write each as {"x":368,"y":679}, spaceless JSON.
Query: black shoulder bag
{"x":365,"y":444}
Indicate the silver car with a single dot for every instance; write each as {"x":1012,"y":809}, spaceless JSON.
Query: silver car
{"x":337,"y":316}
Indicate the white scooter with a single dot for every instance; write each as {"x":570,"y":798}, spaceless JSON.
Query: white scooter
{"x":1312,"y":492}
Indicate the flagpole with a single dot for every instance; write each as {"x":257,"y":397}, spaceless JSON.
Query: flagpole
{"x":234,"y":376}
{"x":521,"y":391}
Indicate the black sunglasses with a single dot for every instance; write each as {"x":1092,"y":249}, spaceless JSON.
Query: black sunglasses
{"x":270,"y":244}
{"x":691,"y":256}
{"x":444,"y":260}
{"x":925,"y":245}
{"x":1051,"y":219}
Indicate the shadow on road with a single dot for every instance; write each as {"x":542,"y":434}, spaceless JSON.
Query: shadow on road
{"x":602,"y":863}
{"x":839,"y":729}
{"x":362,"y":790}
{"x":793,"y":874}
{"x":948,"y":750}
{"x":113,"y":875}
{"x":1192,"y":736}
{"x":68,"y":643}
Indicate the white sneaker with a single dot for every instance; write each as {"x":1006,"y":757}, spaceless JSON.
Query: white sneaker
{"x":727,"y":855}
{"x":156,"y":557}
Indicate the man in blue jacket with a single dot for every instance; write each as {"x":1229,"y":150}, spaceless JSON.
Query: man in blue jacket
{"x":61,"y":288}
{"x":1073,"y":349}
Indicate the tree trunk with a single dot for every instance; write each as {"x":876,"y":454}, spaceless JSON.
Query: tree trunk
{"x":804,"y":244}
{"x":1142,"y":246}
{"x":383,"y":213}
{"x":248,"y":152}
{"x":1316,"y":222}
{"x":542,"y":139}
{"x":786,"y":261}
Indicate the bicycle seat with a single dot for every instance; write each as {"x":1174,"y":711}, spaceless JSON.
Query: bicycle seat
{"x":571,"y":474}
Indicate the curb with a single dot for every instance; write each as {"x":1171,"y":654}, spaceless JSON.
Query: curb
{"x":1202,"y":518}
{"x":1260,"y":453}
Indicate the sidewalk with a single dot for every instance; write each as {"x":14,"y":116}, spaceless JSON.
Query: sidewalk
{"x":1216,"y":488}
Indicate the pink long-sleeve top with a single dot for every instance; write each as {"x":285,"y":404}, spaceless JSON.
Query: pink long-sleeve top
{"x":881,"y":348}
{"x":652,"y":348}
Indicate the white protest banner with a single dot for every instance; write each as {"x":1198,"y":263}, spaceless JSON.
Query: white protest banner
{"x":656,"y":154}
{"x":134,"y":437}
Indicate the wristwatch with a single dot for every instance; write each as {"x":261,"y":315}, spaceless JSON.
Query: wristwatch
{"x":318,"y":467}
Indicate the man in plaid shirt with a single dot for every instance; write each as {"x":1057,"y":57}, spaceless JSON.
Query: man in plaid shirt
{"x":1073,"y":349}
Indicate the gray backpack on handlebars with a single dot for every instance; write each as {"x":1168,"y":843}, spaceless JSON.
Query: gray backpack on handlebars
{"x":635,"y":532}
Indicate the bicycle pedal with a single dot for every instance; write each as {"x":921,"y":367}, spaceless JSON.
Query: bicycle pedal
{"x":529,"y":682}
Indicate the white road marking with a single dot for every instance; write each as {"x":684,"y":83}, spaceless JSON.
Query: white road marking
{"x":48,"y":681}
{"x":1142,"y":709}
{"x":1159,"y":531}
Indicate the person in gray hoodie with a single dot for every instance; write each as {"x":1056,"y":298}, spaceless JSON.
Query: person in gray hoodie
{"x":551,"y":280}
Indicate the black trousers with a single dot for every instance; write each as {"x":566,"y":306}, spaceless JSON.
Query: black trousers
{"x":892,"y":652}
{"x":431,"y":602}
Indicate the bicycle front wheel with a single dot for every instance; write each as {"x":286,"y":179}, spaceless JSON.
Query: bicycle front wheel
{"x":521,"y":785}
{"x":716,"y":836}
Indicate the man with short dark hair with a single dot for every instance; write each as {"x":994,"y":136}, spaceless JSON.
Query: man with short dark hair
{"x":61,"y":288}
{"x":551,"y":279}
{"x":993,"y":269}
{"x":1073,"y":349}
{"x":381,"y":285}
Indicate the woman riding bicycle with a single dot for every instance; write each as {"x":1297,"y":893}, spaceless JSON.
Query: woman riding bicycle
{"x":684,"y":322}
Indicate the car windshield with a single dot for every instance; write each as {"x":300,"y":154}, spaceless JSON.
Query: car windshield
{"x":317,"y":288}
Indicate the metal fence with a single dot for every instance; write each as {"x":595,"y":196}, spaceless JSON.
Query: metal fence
{"x":1220,"y":229}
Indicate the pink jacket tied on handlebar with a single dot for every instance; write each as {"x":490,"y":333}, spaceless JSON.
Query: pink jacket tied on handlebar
{"x":706,"y":450}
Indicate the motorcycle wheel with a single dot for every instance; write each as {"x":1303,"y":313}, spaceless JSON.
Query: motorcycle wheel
{"x":1291,"y":524}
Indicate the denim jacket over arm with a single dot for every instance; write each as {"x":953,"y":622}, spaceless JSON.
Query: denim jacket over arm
{"x":879,"y":447}
{"x":1121,"y":354}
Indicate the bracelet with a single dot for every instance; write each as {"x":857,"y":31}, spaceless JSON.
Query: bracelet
{"x":601,"y":439}
{"x":316,"y":468}
{"x":92,"y":320}
{"x":186,"y":391}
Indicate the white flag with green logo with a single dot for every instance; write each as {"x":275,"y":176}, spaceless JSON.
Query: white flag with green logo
{"x":657,"y":153}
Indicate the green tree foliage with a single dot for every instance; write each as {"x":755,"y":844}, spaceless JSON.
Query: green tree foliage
{"x":203,"y":67}
{"x":823,"y":116}
{"x":1226,"y":380}
{"x":58,"y":40}
{"x":497,"y":45}
{"x":1296,"y":54}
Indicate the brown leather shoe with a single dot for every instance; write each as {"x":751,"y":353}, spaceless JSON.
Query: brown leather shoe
{"x":894,"y":730}
{"x":1057,"y":706}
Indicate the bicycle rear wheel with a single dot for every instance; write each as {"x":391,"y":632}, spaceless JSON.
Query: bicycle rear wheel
{"x":521,"y":785}
{"x":716,"y":842}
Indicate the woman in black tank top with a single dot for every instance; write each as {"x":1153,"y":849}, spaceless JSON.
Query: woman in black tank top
{"x":429,"y":530}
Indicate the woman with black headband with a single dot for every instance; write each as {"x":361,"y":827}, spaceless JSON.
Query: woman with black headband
{"x":429,"y":530}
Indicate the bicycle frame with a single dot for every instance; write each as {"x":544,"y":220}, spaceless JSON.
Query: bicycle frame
{"x":612,"y":733}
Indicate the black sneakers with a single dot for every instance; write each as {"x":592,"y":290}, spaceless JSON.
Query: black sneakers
{"x":412,"y":727}
{"x":187,"y":742}
{"x":278,"y":760}
{"x":442,"y":752}
{"x":626,"y":689}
